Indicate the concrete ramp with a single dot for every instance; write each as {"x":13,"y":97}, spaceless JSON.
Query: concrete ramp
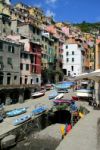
{"x":84,"y":135}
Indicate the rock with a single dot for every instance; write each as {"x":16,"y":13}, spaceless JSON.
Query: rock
{"x":8,"y":141}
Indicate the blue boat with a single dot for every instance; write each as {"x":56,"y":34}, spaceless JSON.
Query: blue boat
{"x":39,"y":110}
{"x":21,"y":120}
{"x":16,"y":112}
{"x":53,"y":94}
{"x":63,"y":86}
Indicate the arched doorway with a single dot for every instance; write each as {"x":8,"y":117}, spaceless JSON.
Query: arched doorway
{"x":14,"y":95}
{"x":26,"y":79}
{"x":27,"y":94}
{"x":1,"y":77}
{"x":8,"y":78}
{"x":2,"y":97}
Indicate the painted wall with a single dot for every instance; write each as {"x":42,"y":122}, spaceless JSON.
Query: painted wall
{"x":78,"y":59}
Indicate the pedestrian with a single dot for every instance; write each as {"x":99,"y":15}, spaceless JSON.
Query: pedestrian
{"x":68,"y":127}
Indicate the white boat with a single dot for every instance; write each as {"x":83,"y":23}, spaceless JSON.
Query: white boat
{"x":84,"y":93}
{"x":59,"y":96}
{"x":38,"y":94}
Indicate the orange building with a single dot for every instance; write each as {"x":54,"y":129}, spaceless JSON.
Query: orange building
{"x":97,"y":54}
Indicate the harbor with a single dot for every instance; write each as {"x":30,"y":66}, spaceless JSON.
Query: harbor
{"x":39,"y":128}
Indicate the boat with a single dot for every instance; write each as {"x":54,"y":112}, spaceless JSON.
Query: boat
{"x":63,"y":87}
{"x":39,"y":110}
{"x":53,"y":94}
{"x":62,"y":101}
{"x":48,"y":86}
{"x":59,"y":96}
{"x":16,"y":112}
{"x":38,"y":94}
{"x":21,"y":120}
{"x":84,"y":93}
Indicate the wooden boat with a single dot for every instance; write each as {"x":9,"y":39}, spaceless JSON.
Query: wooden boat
{"x":38,"y":94}
{"x":59,"y":96}
{"x":22,"y":119}
{"x":53,"y":94}
{"x":84,"y":93}
{"x":16,"y":112}
{"x":39,"y":110}
{"x":61,"y":101}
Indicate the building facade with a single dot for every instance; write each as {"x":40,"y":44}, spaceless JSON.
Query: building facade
{"x":72,"y":59}
{"x":9,"y":62}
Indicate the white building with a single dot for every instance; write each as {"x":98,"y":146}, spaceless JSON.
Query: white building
{"x":73,"y":59}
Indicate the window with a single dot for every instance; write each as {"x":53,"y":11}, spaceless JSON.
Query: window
{"x":25,"y":56}
{"x":31,"y":81}
{"x":45,"y":46}
{"x":17,"y":30}
{"x":33,"y":30}
{"x":67,"y":53}
{"x":73,"y":53}
{"x":13,"y":49}
{"x":27,"y":66}
{"x":79,"y":46}
{"x":9,"y":61}
{"x":21,"y":66}
{"x":15,"y":77}
{"x":1,"y":46}
{"x":67,"y":59}
{"x":66,"y":46}
{"x":20,"y":80}
{"x":72,"y":68}
{"x":72,"y":59}
{"x":9,"y":48}
{"x":37,"y":80}
{"x":3,"y":21}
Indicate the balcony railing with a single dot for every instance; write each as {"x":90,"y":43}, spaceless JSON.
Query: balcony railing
{"x":18,"y":86}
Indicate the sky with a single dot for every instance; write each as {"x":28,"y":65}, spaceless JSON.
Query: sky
{"x":73,"y":11}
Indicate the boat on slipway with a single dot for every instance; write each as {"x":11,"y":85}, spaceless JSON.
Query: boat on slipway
{"x":38,"y":94}
{"x":16,"y":112}
{"x":39,"y":110}
{"x":53,"y":94}
{"x":84,"y":93}
{"x":59,"y":96}
{"x":62,"y":101}
{"x":21,"y":120}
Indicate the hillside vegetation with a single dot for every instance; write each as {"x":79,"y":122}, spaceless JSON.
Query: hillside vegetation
{"x":89,"y":27}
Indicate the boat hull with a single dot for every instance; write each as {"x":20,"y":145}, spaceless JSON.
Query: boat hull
{"x":16,"y":112}
{"x":21,"y":120}
{"x":59,"y":96}
{"x":39,"y":110}
{"x":36,"y":95}
{"x":84,"y":93}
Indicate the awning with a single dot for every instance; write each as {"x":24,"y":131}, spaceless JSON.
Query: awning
{"x":95,"y":75}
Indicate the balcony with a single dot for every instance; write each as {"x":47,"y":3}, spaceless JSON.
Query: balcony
{"x":8,"y":87}
{"x":45,"y":34}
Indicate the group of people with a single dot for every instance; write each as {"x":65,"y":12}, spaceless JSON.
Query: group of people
{"x":68,"y":126}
